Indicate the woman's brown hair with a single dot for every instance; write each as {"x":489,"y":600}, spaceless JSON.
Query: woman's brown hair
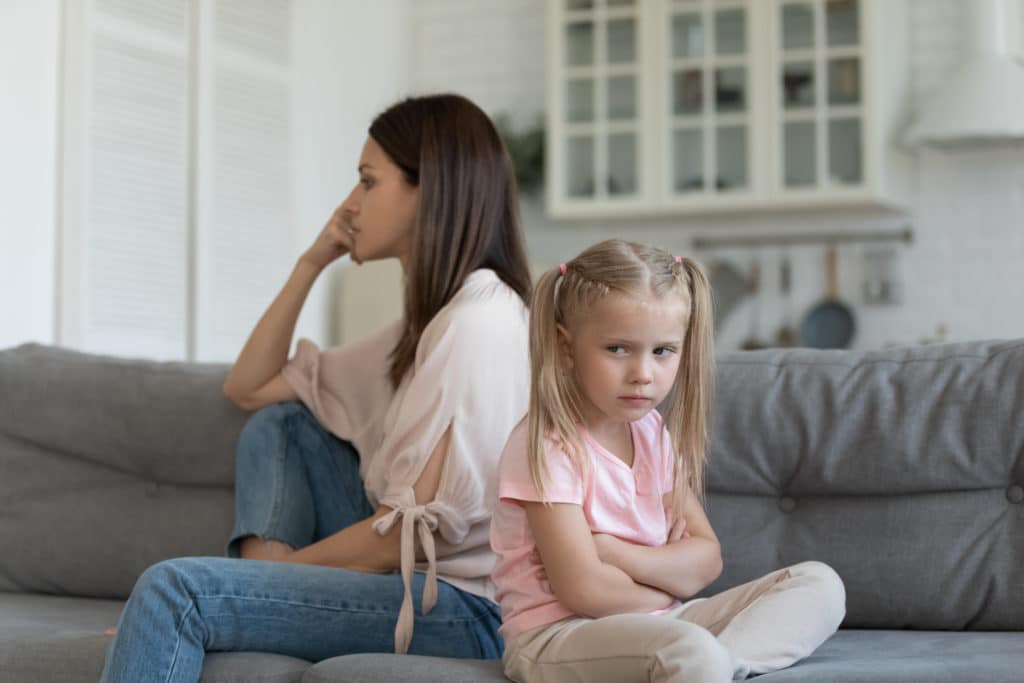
{"x":468,"y":214}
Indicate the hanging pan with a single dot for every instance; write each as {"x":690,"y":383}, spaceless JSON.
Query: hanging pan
{"x":830,"y":323}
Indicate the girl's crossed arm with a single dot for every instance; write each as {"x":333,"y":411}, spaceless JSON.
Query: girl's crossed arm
{"x":579,"y":578}
{"x":681,"y":568}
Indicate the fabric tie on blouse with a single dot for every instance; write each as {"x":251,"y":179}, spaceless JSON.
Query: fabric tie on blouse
{"x":422,"y":519}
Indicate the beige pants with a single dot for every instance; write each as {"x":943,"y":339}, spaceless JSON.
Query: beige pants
{"x":761,"y":626}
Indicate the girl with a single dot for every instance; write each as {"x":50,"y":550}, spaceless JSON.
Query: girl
{"x":394,"y":439}
{"x":609,"y":492}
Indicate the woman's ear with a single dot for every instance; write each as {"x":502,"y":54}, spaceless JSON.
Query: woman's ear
{"x":564,"y":346}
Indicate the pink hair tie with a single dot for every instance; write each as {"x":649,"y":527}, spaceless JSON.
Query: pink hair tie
{"x":562,"y":267}
{"x":679,"y":259}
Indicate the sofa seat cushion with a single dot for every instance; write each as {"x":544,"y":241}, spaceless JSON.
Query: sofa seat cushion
{"x":48,"y":639}
{"x":851,"y":656}
{"x":52,"y":639}
{"x":880,"y":656}
{"x":382,"y":668}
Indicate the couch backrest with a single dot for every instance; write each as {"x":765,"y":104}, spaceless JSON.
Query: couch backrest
{"x":903,"y":469}
{"x":107,"y":466}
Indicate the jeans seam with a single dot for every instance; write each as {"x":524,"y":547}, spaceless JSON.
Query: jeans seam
{"x":273,"y":517}
{"x":334,"y":608}
{"x":177,"y":642}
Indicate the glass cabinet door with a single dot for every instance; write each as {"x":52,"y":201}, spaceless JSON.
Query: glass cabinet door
{"x":709,"y":96}
{"x":602,"y":93}
{"x":820,"y":94}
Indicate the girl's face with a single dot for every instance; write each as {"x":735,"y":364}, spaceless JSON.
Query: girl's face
{"x":624,"y":356}
{"x":380,"y":211}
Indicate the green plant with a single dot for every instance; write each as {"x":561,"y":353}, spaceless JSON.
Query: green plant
{"x":526,"y":147}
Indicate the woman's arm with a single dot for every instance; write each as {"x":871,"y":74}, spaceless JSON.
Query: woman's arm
{"x":255,"y":379}
{"x":359,"y":547}
{"x":578,"y":577}
{"x":681,"y":568}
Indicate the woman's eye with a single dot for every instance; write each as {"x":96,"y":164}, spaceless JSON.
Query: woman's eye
{"x":367,"y":183}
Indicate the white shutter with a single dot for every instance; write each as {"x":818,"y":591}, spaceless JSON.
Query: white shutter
{"x":244,"y":212}
{"x":125,"y":211}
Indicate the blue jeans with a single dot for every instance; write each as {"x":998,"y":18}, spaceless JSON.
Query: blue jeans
{"x":296,"y":483}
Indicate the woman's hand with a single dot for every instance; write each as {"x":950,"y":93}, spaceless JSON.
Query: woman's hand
{"x":333,"y":242}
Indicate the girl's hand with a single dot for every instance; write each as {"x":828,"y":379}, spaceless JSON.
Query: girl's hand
{"x":676,"y":526}
{"x":333,"y":242}
{"x":606,"y":545}
{"x":607,"y":548}
{"x":542,"y":575}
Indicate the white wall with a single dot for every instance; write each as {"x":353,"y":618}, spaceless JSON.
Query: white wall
{"x":29,"y":57}
{"x":968,"y":212}
{"x":354,"y":59}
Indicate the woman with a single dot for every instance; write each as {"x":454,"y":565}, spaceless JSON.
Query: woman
{"x":393,"y":440}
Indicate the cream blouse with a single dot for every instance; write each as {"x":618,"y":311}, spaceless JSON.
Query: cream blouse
{"x":472,"y":373}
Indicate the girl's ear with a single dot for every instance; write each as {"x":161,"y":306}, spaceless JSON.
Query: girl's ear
{"x":564,"y":346}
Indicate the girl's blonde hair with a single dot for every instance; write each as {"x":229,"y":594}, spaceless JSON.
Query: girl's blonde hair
{"x":631,"y":269}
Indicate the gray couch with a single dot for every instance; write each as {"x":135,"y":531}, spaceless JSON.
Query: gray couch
{"x":903,"y":469}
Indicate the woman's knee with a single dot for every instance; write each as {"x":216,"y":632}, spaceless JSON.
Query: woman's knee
{"x":165,"y":583}
{"x":267,"y":422}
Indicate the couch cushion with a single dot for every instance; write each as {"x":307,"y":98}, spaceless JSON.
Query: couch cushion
{"x":853,"y":656}
{"x":47,"y":639}
{"x":163,"y":422}
{"x":123,"y":462}
{"x":903,"y":469}
{"x":89,"y":530}
{"x":385,"y":668}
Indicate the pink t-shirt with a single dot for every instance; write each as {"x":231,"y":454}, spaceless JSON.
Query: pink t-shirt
{"x":616,"y":499}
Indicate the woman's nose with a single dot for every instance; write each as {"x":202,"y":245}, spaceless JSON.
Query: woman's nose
{"x":350,"y":207}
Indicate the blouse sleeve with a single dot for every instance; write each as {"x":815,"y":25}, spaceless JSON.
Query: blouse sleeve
{"x":471,"y":375}
{"x":345,"y":387}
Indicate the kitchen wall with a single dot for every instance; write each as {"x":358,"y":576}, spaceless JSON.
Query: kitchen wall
{"x":960,"y":274}
{"x":29,"y":35}
{"x":353,"y":59}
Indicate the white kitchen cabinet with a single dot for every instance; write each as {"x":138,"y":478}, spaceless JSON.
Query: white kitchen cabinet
{"x":685,"y":106}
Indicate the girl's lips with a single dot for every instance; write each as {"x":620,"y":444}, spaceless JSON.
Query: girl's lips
{"x":635,"y":399}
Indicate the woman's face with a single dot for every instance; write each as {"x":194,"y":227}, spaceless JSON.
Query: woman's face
{"x":380,"y":211}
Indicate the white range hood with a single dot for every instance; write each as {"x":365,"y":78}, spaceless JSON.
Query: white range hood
{"x":982,"y":102}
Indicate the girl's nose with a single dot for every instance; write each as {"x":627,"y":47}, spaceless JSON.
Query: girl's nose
{"x":642,"y":373}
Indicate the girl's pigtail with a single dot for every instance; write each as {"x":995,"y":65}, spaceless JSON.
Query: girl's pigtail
{"x":545,"y":373}
{"x":690,"y":410}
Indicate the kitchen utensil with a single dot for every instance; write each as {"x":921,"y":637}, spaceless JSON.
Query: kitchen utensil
{"x":753,"y":340}
{"x":830,"y":323}
{"x":728,"y":286}
{"x":787,"y":334}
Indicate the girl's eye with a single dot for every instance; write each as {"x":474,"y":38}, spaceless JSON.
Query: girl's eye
{"x":616,"y":348}
{"x":663,"y":351}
